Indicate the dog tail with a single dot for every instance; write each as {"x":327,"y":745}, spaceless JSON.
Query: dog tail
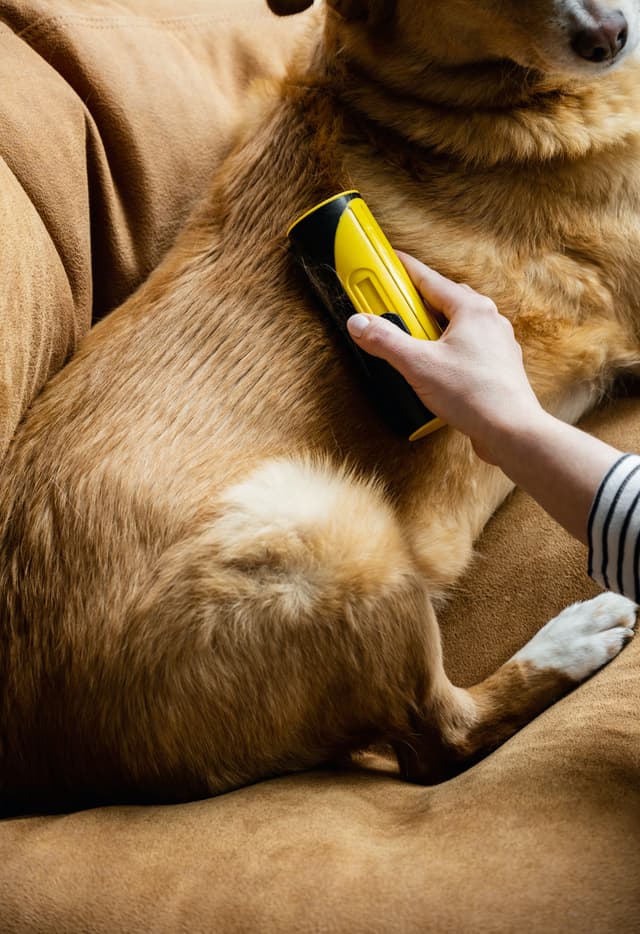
{"x":332,"y":532}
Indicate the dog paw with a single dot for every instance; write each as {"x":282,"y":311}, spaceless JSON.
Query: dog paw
{"x":584,"y":637}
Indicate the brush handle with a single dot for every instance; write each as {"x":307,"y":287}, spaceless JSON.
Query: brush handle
{"x":353,"y":268}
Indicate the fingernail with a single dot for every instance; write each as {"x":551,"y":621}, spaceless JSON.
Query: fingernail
{"x":358,"y":324}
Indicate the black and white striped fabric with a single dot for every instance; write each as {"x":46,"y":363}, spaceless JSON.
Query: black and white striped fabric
{"x":614,"y":529}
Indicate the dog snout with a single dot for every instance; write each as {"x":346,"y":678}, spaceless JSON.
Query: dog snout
{"x":603,"y":40}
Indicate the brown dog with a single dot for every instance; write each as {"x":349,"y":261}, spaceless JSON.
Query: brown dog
{"x":196,"y":592}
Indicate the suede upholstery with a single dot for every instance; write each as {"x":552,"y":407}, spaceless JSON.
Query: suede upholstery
{"x":113,"y":115}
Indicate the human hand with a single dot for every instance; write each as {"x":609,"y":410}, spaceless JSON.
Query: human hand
{"x":473,"y":376}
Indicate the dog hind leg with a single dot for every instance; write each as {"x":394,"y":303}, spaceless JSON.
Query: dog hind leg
{"x":293,"y":628}
{"x":462,"y":726}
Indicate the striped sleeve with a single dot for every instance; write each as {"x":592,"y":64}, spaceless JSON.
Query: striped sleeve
{"x":614,"y":529}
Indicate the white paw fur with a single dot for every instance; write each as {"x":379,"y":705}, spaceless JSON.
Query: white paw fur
{"x":584,"y":637}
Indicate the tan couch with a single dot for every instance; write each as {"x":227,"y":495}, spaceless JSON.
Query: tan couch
{"x":113,"y":113}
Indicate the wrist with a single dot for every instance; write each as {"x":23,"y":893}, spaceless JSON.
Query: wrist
{"x":499,"y":439}
{"x":559,"y":465}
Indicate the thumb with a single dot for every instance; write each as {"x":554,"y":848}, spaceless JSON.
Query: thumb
{"x":383,"y":339}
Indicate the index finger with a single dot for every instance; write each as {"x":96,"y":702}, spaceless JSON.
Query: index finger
{"x":440,"y":293}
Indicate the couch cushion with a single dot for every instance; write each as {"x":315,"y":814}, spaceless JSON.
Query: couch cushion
{"x":45,"y":298}
{"x":119,"y":114}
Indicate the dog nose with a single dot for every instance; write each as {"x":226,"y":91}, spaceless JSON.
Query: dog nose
{"x":604,"y":41}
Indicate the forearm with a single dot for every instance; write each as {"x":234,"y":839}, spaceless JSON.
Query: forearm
{"x":558,"y":465}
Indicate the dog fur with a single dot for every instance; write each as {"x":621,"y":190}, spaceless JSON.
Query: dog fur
{"x":216,"y":563}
